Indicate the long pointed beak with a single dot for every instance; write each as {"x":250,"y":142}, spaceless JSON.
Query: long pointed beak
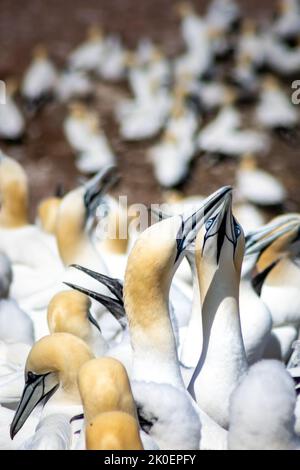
{"x":97,"y":187}
{"x":259,"y":233}
{"x":114,"y":285}
{"x":114,"y":306}
{"x":258,"y":244}
{"x":192,"y":223}
{"x":34,"y":392}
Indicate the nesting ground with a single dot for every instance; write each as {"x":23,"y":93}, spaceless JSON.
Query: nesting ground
{"x":61,"y":25}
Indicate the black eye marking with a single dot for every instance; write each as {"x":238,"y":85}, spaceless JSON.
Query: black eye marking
{"x":31,"y":377}
{"x":221,"y":234}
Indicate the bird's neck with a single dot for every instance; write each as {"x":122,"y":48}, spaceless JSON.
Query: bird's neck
{"x":74,"y":244}
{"x":223,"y":345}
{"x":14,"y":209}
{"x":192,"y":345}
{"x":153,"y":343}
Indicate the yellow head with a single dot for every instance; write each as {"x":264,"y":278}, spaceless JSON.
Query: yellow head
{"x":60,"y":353}
{"x":94,"y":33}
{"x":248,"y":162}
{"x":52,"y":367}
{"x":68,"y":312}
{"x":40,"y":52}
{"x":184,"y":9}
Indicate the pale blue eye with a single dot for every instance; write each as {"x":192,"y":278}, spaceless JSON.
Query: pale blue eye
{"x":237,"y":230}
{"x":209,"y":224}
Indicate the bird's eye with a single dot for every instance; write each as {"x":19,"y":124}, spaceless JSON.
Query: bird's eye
{"x":237,"y":230}
{"x":209,"y":223}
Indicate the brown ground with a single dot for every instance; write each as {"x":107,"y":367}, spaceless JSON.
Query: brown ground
{"x":61,"y":25}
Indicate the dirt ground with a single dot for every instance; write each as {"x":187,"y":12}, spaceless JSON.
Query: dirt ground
{"x":61,"y":25}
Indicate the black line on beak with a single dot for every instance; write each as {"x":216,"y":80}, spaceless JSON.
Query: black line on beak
{"x":94,"y":322}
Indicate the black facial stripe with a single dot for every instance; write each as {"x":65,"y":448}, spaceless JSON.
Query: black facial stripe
{"x":258,"y":280}
{"x":191,"y":223}
{"x":180,"y":240}
{"x":221,"y":235}
{"x":77,"y":417}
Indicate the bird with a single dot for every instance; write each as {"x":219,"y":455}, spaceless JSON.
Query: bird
{"x":251,"y":44}
{"x":219,"y":254}
{"x":275,"y":110}
{"x":223,"y":14}
{"x":152,"y":336}
{"x":258,"y":186}
{"x":96,"y":154}
{"x":70,"y":312}
{"x":88,"y":55}
{"x":107,"y":399}
{"x":73,"y":85}
{"x":76,"y":127}
{"x":275,"y":262}
{"x":12,"y":122}
{"x":287,"y":23}
{"x":112,"y":66}
{"x":47,"y":213}
{"x":40,"y":80}
{"x":15,"y":325}
{"x":51,"y":376}
{"x":262,"y":410}
{"x":158,"y":336}
{"x":223,"y":135}
{"x":33,"y":262}
{"x":279,"y":57}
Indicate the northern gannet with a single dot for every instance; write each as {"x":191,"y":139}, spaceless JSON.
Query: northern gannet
{"x":40,"y":79}
{"x":287,"y":25}
{"x":224,"y":135}
{"x":12,"y":122}
{"x":75,"y":126}
{"x":275,"y":109}
{"x":34,"y":263}
{"x":219,"y":255}
{"x":155,"y":361}
{"x":73,"y":84}
{"x":258,"y":186}
{"x":112,"y":65}
{"x":108,"y":405}
{"x":47,"y":213}
{"x":96,"y":153}
{"x":51,"y":376}
{"x":223,"y":15}
{"x":88,"y":55}
{"x":15,"y":325}
{"x":251,"y":43}
{"x":277,"y":261}
{"x":172,"y":156}
{"x":70,"y":312}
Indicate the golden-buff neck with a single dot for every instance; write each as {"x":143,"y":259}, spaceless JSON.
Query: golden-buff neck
{"x":70,"y":228}
{"x":113,"y":431}
{"x":47,"y":213}
{"x":13,"y":194}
